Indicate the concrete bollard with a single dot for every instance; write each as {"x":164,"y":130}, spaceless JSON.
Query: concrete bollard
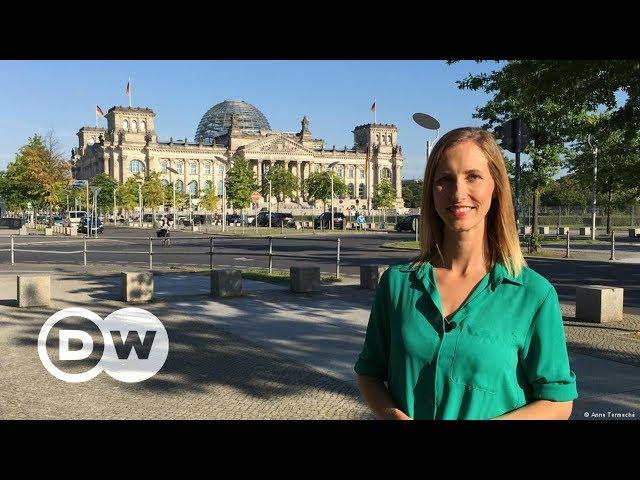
{"x":48,"y":231}
{"x":563,"y":230}
{"x":525,"y":230}
{"x":137,"y":287}
{"x":370,"y":275}
{"x":298,"y":225}
{"x":194,"y":228}
{"x":226,"y":282}
{"x":23,"y":231}
{"x":585,"y":230}
{"x":304,"y":279}
{"x":634,"y":232}
{"x":372,"y":226}
{"x":543,"y":230}
{"x":33,"y":290}
{"x":599,"y":303}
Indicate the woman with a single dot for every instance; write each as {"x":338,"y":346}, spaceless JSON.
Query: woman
{"x":466,"y":330}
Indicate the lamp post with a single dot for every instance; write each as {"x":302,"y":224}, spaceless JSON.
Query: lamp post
{"x":430,"y":123}
{"x":139,"y":181}
{"x":593,"y":190}
{"x":225,"y":162}
{"x":331,"y":170}
{"x":173,"y":170}
{"x":269,"y":205}
{"x":94,"y":214}
{"x":115,"y":220}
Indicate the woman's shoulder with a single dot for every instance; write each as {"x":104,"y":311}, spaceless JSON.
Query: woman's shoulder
{"x":402,"y":271}
{"x":534,"y":283}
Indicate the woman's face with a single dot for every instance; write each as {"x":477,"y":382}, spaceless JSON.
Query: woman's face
{"x":463,"y":187}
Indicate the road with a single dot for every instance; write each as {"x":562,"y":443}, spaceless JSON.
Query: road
{"x":355,"y":250}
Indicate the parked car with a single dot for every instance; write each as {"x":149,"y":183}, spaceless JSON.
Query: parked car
{"x":96,"y":225}
{"x":281,"y":219}
{"x":406,"y":224}
{"x":233,"y":218}
{"x":324,"y":220}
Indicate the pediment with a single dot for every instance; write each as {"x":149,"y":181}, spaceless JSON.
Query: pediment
{"x":278,"y":144}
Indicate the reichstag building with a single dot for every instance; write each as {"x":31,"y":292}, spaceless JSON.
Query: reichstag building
{"x":130,"y":145}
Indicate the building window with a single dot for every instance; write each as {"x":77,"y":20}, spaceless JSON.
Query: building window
{"x":164,"y":182}
{"x":219,"y":188}
{"x":351,"y":171}
{"x":220,"y":169}
{"x":193,"y":188}
{"x":193,"y":167}
{"x":136,"y":166}
{"x":179,"y":186}
{"x":361,"y":172}
{"x":125,"y":125}
{"x":179,"y":167}
{"x":377,"y":138}
{"x":317,"y":168}
{"x":207,"y":185}
{"x":134,"y":126}
{"x":143,"y":126}
{"x":340,"y":171}
{"x":351,"y":190}
{"x":362,"y":191}
{"x":207,"y":169}
{"x":164,"y":167}
{"x":386,"y":174}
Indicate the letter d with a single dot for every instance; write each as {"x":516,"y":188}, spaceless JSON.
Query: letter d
{"x":84,"y":352}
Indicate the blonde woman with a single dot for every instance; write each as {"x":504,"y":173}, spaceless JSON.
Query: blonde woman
{"x":466,"y":330}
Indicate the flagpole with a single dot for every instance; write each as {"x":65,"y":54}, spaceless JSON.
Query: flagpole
{"x":129,"y":92}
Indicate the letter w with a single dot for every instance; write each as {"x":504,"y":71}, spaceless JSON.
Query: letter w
{"x":142,"y":348}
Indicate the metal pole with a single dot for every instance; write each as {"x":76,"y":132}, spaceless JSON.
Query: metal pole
{"x":567,"y":252}
{"x":332,"y":200}
{"x":338,"y":257}
{"x":593,"y":194}
{"x":210,"y":253}
{"x":115,"y":220}
{"x":84,"y":250}
{"x":269,"y":209}
{"x":270,"y":255}
{"x":150,"y":254}
{"x":613,"y":245}
{"x":224,"y":199}
{"x":12,"y":258}
{"x":559,"y":213}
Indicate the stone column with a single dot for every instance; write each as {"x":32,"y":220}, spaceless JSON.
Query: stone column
{"x":105,"y":163}
{"x":200,"y":166}
{"x":259,"y":165}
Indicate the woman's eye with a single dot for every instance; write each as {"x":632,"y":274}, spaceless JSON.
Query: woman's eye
{"x":474,"y":177}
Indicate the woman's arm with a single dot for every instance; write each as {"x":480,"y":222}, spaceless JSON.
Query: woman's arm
{"x":375,"y":394}
{"x":540,"y":410}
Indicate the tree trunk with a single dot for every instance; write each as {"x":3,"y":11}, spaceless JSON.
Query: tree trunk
{"x":609,"y":209}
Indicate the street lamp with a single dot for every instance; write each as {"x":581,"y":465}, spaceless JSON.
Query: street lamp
{"x":173,"y":170}
{"x":269,"y":203}
{"x":140,"y":181}
{"x":593,"y":190}
{"x":225,"y":162}
{"x":331,"y":169}
{"x":430,"y":123}
{"x":95,"y":191}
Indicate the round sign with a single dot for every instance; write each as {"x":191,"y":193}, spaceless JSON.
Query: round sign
{"x":426,"y":121}
{"x":255,"y":196}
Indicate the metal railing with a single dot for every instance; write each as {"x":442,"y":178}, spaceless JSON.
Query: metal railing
{"x":207,"y":241}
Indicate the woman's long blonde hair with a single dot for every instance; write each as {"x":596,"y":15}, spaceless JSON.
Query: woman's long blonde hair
{"x":502,"y":236}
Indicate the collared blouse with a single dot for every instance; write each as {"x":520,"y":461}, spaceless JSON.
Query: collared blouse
{"x":505,"y":346}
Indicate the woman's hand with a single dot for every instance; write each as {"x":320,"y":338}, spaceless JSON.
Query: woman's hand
{"x":377,"y":396}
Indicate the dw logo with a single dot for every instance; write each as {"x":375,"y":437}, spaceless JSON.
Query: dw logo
{"x":136,"y":345}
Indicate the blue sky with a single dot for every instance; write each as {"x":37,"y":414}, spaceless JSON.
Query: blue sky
{"x":37,"y":96}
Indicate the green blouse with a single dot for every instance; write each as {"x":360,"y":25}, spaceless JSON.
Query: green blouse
{"x":505,"y":346}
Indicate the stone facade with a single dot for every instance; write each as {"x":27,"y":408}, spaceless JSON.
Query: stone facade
{"x":130,"y":145}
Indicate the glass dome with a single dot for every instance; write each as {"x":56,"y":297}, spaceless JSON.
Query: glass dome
{"x":217,"y":120}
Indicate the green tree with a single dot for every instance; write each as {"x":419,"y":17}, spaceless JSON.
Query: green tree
{"x":412,"y":193}
{"x":127,"y":194}
{"x":240,"y":182}
{"x":318,"y":187}
{"x":550,"y":124}
{"x":39,"y":175}
{"x":283,"y":184}
{"x":384,"y":196}
{"x":152,"y":191}
{"x":567,"y":191}
{"x":107,"y":186}
{"x":210,"y":200}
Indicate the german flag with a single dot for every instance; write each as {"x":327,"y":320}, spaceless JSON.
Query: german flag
{"x":99,"y":111}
